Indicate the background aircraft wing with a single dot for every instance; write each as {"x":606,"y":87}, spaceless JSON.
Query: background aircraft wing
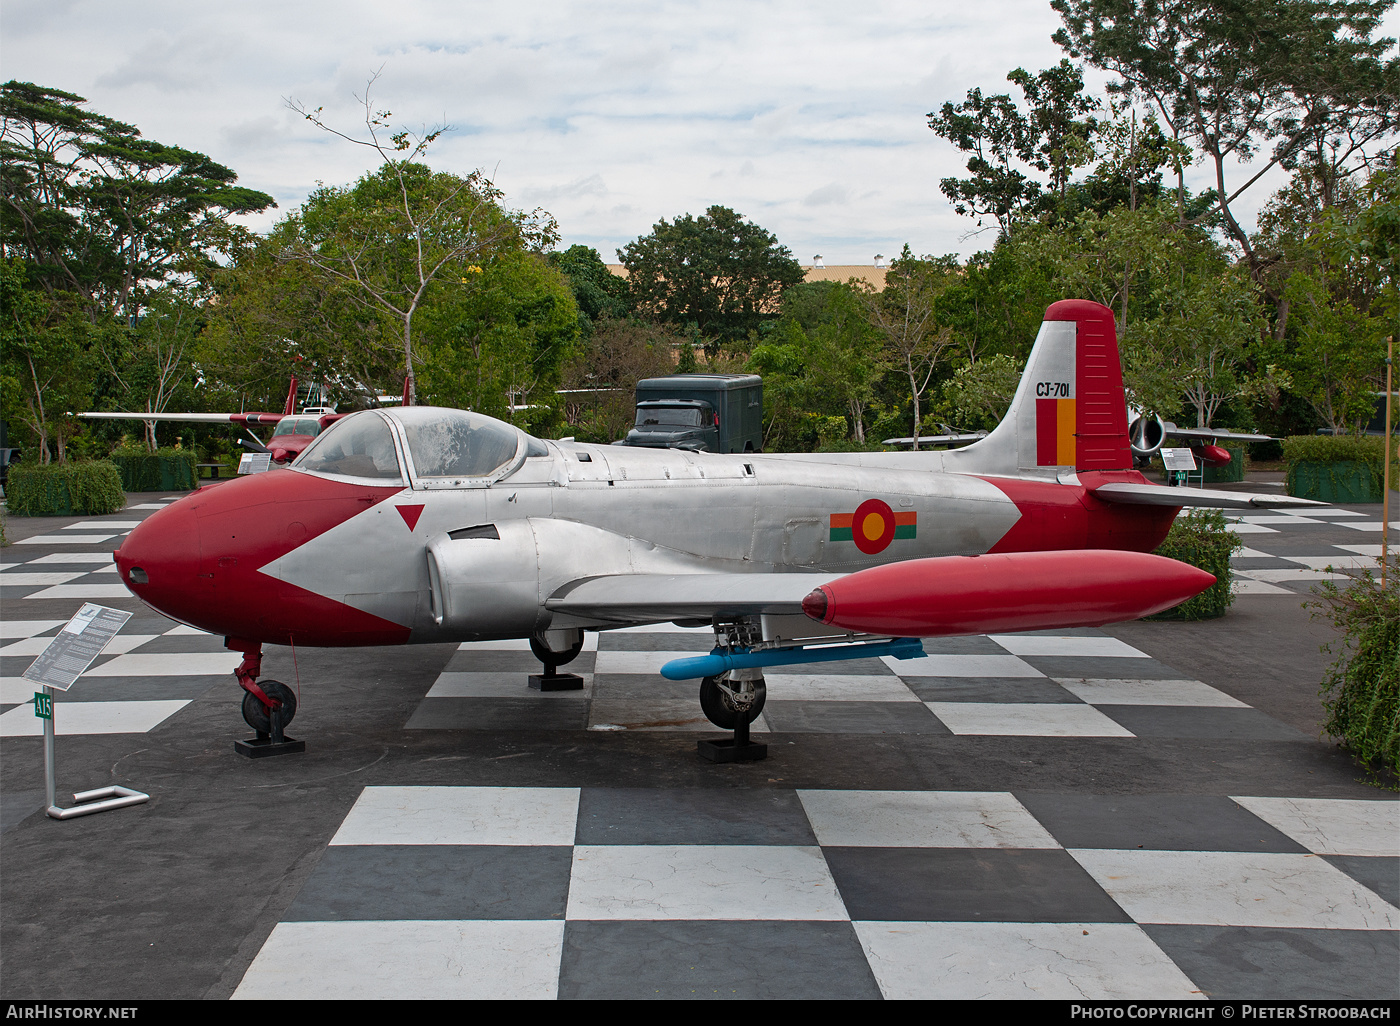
{"x":1212,"y":435}
{"x":653,"y":598}
{"x":965,"y":438}
{"x":198,"y":418}
{"x":1160,"y":495}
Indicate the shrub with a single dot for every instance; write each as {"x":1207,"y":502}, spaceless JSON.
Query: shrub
{"x":91,"y":487}
{"x":165,"y":469}
{"x":1203,"y":539}
{"x":1361,"y":693}
{"x":1367,"y":450}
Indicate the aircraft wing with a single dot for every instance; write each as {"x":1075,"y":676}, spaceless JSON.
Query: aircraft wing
{"x":956,"y":439}
{"x":1160,"y":495}
{"x":1211,"y":435}
{"x":197,"y":418}
{"x":653,"y":598}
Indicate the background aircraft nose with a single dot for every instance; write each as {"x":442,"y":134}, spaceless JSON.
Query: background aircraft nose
{"x":159,"y":560}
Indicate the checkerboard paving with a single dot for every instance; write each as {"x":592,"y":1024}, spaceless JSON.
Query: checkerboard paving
{"x":505,"y":892}
{"x":1079,"y":683}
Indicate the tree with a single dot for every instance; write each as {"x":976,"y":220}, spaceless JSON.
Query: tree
{"x":1053,"y":137}
{"x":904,"y":314}
{"x":104,"y":214}
{"x":598,"y":292}
{"x":601,"y":378}
{"x":1233,"y":75}
{"x":719,"y":272}
{"x":396,"y":232}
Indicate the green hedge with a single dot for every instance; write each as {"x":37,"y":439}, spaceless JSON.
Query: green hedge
{"x":164,"y":470}
{"x":1337,"y":468}
{"x":1203,"y":539}
{"x":90,"y":487}
{"x":1361,"y":693}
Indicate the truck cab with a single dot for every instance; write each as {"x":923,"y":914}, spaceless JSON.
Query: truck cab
{"x":699,"y":412}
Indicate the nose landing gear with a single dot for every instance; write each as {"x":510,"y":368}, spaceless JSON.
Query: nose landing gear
{"x":732,"y":702}
{"x":267,"y":707}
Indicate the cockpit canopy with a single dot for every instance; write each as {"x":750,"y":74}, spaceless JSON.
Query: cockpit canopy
{"x":298,"y":426}
{"x":447,"y":447}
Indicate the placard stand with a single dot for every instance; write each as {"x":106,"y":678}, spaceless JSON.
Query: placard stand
{"x":61,"y":663}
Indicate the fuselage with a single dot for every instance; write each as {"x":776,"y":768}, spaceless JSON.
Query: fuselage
{"x":344,"y":551}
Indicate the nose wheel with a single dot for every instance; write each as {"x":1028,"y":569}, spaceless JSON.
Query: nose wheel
{"x":268,"y":706}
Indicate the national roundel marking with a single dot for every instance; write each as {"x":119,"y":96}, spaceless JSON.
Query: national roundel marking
{"x":872,"y":526}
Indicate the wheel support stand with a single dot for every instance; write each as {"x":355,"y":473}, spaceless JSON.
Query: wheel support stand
{"x":553,"y":680}
{"x":736,"y":749}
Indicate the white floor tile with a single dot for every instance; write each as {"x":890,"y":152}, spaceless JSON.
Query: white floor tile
{"x":17,"y":689}
{"x":1289,"y":575}
{"x":1011,"y":961}
{"x":1336,"y":562}
{"x":1333,"y":826}
{"x":74,"y":557}
{"x":498,"y":685}
{"x":1249,"y":586}
{"x":1373,"y":551}
{"x":148,"y":505}
{"x":101,"y":525}
{"x":461,"y":815}
{"x":1333,"y":511}
{"x":637,"y":662}
{"x":82,"y":591}
{"x":33,"y":580}
{"x":1248,"y":553}
{"x":66,"y":539}
{"x":168,"y":664}
{"x":89,"y":717}
{"x":962,"y":666}
{"x":33,"y":646}
{"x":1048,"y":645}
{"x":180,"y":630}
{"x":26,"y":628}
{"x":1252,"y":529}
{"x":477,"y":959}
{"x":701,"y":881}
{"x":1369,"y":525}
{"x":1043,"y":719}
{"x":923,"y":819}
{"x":1228,"y":888}
{"x":1277,"y":518}
{"x":1148,"y":692}
{"x":855,"y":687}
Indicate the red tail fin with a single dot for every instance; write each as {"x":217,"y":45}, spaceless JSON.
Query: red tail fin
{"x":291,"y":405}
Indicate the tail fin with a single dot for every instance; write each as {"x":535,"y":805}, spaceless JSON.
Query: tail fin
{"x":290,"y":407}
{"x":1069,"y":411}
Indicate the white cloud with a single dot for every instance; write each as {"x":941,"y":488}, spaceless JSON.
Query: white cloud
{"x":808,"y":117}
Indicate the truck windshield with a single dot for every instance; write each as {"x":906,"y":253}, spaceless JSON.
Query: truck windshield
{"x":668,"y":416}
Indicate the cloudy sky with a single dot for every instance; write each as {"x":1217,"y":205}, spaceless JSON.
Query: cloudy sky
{"x":807,"y":117}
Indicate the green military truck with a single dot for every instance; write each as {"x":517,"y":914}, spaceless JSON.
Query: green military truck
{"x":699,"y":412}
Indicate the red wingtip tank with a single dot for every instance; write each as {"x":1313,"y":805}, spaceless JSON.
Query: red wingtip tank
{"x":1014,"y":591}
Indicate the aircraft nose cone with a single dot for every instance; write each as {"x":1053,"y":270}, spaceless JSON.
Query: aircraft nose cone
{"x":159,"y":560}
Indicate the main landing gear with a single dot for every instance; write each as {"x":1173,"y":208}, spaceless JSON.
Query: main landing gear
{"x":268,"y":707}
{"x":554,"y":649}
{"x":732,"y":701}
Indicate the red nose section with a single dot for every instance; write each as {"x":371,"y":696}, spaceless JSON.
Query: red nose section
{"x":198,"y":560}
{"x":1022,"y":591}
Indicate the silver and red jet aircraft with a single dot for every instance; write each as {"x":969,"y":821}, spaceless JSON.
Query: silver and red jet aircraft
{"x":291,"y":432}
{"x":422,"y":525}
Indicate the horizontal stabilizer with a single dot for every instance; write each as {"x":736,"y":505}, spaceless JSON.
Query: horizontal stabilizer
{"x":1160,"y":495}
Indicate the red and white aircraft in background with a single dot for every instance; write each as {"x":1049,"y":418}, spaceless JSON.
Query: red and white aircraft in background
{"x":422,"y":525}
{"x":291,"y":432}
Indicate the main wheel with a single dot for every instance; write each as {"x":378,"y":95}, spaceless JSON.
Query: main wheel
{"x":720,"y":709}
{"x":549,"y":657}
{"x":255,"y":714}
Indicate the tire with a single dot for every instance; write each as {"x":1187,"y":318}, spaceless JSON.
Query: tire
{"x":719,"y":708}
{"x":256,"y":715}
{"x":549,"y":657}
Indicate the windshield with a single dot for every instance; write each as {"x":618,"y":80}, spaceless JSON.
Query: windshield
{"x":361,"y":445}
{"x":455,"y":443}
{"x":668,"y":416}
{"x":298,"y":426}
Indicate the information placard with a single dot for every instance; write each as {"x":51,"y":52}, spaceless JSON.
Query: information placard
{"x":80,"y":642}
{"x":254,"y":462}
{"x":1178,"y":459}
